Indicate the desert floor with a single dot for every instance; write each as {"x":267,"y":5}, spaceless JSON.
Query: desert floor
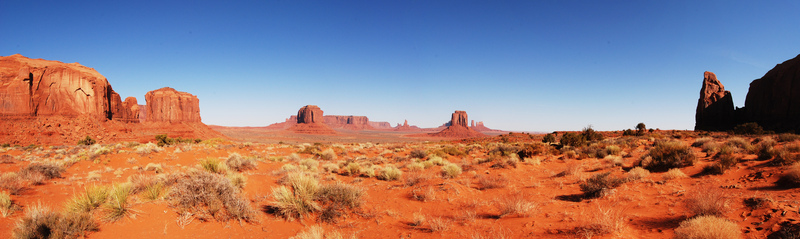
{"x":393,"y":186}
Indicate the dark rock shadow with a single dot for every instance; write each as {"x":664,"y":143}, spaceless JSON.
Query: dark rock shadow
{"x":571,"y":197}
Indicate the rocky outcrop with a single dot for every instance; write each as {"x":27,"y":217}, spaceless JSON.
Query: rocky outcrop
{"x":380,"y":125}
{"x":458,"y":127}
{"x":715,"y":110}
{"x":347,"y":122}
{"x":310,"y":121}
{"x":36,"y":87}
{"x":482,"y":128}
{"x":132,"y":104}
{"x":406,"y":127}
{"x":169,"y":105}
{"x":309,"y":114}
{"x":774,"y":100}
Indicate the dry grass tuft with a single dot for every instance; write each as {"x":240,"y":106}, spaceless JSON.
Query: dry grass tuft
{"x":790,"y":179}
{"x":206,"y":194}
{"x":451,"y":170}
{"x":708,"y":227}
{"x":665,"y":155}
{"x":41,"y":222}
{"x":516,"y":205}
{"x":604,"y":221}
{"x":637,"y":173}
{"x":117,"y":206}
{"x":492,"y":181}
{"x":238,"y":163}
{"x":7,"y":206}
{"x":708,"y":202}
{"x":673,"y":174}
{"x":390,"y":173}
{"x":213,"y":165}
{"x":91,"y":198}
{"x":12,"y":183}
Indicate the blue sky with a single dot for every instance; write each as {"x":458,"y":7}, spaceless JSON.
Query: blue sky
{"x":516,"y":65}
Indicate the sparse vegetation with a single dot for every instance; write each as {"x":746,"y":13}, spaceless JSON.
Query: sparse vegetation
{"x":87,"y":141}
{"x":91,"y":198}
{"x":708,"y":227}
{"x":791,"y":178}
{"x":751,"y":128}
{"x":117,"y":205}
{"x":213,"y":165}
{"x":7,"y":206}
{"x":238,"y":163}
{"x":599,"y":184}
{"x":42,"y":222}
{"x":710,"y":201}
{"x":451,"y":170}
{"x":211,"y":195}
{"x":666,"y":155}
{"x":516,"y":205}
{"x":390,"y":173}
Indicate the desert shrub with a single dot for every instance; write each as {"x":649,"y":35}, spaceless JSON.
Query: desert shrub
{"x":613,"y":150}
{"x":352,"y":169}
{"x":751,"y":128}
{"x":336,"y":199}
{"x":390,"y":173}
{"x":412,"y":179}
{"x":572,"y":139}
{"x":665,"y":155}
{"x":47,"y":169}
{"x":741,"y":143}
{"x":724,"y":162}
{"x":701,"y":141}
{"x":790,"y":179}
{"x":7,"y":206}
{"x":711,"y":147}
{"x":673,"y":174}
{"x":238,"y":180}
{"x":297,"y":200}
{"x":708,"y":227}
{"x":415,"y":166}
{"x":41,"y":222}
{"x":238,"y":163}
{"x":492,"y":181}
{"x":117,"y":205}
{"x":153,"y":191}
{"x":214,"y":165}
{"x":788,"y":137}
{"x":451,"y":170}
{"x":204,"y":193}
{"x":637,"y":173}
{"x":503,"y":150}
{"x":147,"y":148}
{"x":614,"y":160}
{"x":12,"y":183}
{"x":549,"y":138}
{"x":309,"y":164}
{"x":603,"y":221}
{"x":599,"y":184}
{"x":452,"y":150}
{"x":640,"y":129}
{"x":516,"y":205}
{"x":505,"y":162}
{"x":530,"y":150}
{"x":781,"y":156}
{"x":439,"y":224}
{"x":328,"y":155}
{"x":628,"y":132}
{"x":89,"y":199}
{"x":590,"y":135}
{"x":792,"y":147}
{"x":707,"y":202}
{"x":417,"y":153}
{"x":313,"y":232}
{"x":436,"y":160}
{"x":330,"y":167}
{"x":163,"y":140}
{"x":87,"y":141}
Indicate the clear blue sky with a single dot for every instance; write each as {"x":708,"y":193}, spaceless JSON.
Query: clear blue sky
{"x":516,"y":65}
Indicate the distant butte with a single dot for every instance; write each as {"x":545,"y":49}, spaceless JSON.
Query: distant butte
{"x":310,"y":121}
{"x":458,"y":127}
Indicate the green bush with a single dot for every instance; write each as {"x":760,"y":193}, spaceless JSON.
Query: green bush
{"x":668,"y":154}
{"x":549,"y":138}
{"x":572,"y":139}
{"x":86,"y":141}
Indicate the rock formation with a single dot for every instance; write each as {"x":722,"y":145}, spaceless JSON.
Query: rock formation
{"x":381,"y":125}
{"x":715,"y":109}
{"x":348,"y":122}
{"x":774,"y":100}
{"x":136,"y":110}
{"x":169,"y":105}
{"x":458,"y":127}
{"x":36,"y":87}
{"x":481,"y":128}
{"x":406,"y":127}
{"x":311,"y":121}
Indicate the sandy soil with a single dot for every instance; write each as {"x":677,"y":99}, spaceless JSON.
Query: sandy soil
{"x":495,"y":196}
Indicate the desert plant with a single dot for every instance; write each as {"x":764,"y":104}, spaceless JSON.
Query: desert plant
{"x":204,"y":193}
{"x":436,"y":160}
{"x":313,"y":232}
{"x":572,"y":139}
{"x":724,"y":162}
{"x":213,"y":165}
{"x":91,"y":198}
{"x":590,"y":135}
{"x":599,"y":184}
{"x":48,"y":169}
{"x":309,"y":164}
{"x":237,"y":179}
{"x":516,"y":205}
{"x":352,"y":169}
{"x":147,"y":148}
{"x":7,"y":206}
{"x":668,"y":154}
{"x":640,"y":129}
{"x":741,"y":143}
{"x":417,"y":153}
{"x":41,"y":222}
{"x":439,"y":224}
{"x":790,"y":179}
{"x":153,"y":191}
{"x":708,"y":227}
{"x":637,"y":173}
{"x":710,"y":201}
{"x":751,"y":128}
{"x":336,"y":198}
{"x":701,"y":141}
{"x":603,"y":221}
{"x":549,"y":138}
{"x":117,"y":206}
{"x":299,"y":200}
{"x":492,"y":181}
{"x":390,"y":173}
{"x":451,"y":170}
{"x":87,"y":141}
{"x":238,"y":163}
{"x":415,"y":166}
{"x":12,"y":183}
{"x":673,"y":174}
{"x":788,"y":137}
{"x":328,"y":155}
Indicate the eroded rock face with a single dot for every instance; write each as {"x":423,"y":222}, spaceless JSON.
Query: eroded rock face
{"x":169,"y":105}
{"x":36,"y":87}
{"x":309,"y":114}
{"x":715,"y":109}
{"x":459,"y":118}
{"x":132,"y":104}
{"x":774,"y":100}
{"x":380,"y":125}
{"x":347,"y":122}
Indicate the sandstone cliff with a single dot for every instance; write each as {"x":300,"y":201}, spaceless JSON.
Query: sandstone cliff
{"x":348,"y":122}
{"x":458,"y":127}
{"x":715,"y":109}
{"x":310,"y":121}
{"x":36,"y":87}
{"x":774,"y":100}
{"x":169,"y":105}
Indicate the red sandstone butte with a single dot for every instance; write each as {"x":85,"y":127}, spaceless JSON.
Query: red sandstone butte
{"x":458,"y":127}
{"x":715,"y":107}
{"x":169,"y":105}
{"x":310,"y":121}
{"x":348,"y":122}
{"x":37,"y":87}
